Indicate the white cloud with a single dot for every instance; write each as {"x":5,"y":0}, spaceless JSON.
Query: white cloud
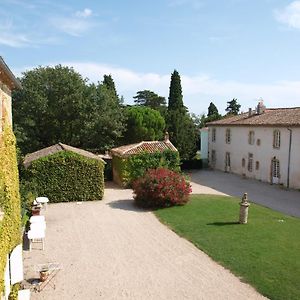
{"x":198,"y":91}
{"x":84,"y":13}
{"x":14,"y":40}
{"x":290,"y":15}
{"x":76,"y":24}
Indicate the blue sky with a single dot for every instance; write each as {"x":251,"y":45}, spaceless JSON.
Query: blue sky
{"x":244,"y":49}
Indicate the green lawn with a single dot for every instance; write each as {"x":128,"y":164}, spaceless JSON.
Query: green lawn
{"x":265,"y":252}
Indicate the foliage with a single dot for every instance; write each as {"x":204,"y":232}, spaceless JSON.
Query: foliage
{"x":150,"y":99}
{"x":66,"y":176}
{"x":57,"y":105}
{"x":175,"y":95}
{"x":183,"y":133}
{"x":135,"y":166}
{"x":182,"y":130}
{"x":143,"y":123}
{"x":264,"y":252}
{"x":161,"y":188}
{"x":9,"y":198}
{"x":104,"y":118}
{"x":13,"y":295}
{"x":233,"y":107}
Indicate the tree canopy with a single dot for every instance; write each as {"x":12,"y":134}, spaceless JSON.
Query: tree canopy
{"x":57,"y":105}
{"x":233,"y":107}
{"x":143,"y":124}
{"x":150,"y":99}
{"x":182,"y":130}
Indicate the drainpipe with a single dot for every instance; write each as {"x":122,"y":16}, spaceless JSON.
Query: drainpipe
{"x":289,"y":158}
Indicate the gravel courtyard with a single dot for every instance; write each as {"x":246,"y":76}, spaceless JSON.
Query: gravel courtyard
{"x":111,"y":250}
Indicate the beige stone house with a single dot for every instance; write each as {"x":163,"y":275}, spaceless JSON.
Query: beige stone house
{"x":8,"y":82}
{"x":263,"y":144}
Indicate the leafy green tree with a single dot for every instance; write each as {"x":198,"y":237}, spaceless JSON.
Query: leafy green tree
{"x":213,"y":113}
{"x":143,"y":123}
{"x":183,"y":132}
{"x":110,"y":84}
{"x":49,"y":108}
{"x":105,"y":119}
{"x":56,"y":105}
{"x":233,"y":107}
{"x":150,"y":99}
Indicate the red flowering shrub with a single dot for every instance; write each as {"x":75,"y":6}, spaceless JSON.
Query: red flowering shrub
{"x":161,"y":188}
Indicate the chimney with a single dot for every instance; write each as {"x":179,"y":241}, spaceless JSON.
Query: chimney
{"x":166,"y":137}
{"x":260,"y":107}
{"x":249,"y":112}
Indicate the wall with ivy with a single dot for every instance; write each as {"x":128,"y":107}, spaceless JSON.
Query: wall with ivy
{"x":66,"y":176}
{"x":127,"y":169}
{"x":10,"y":226}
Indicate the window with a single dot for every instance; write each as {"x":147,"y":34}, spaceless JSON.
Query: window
{"x":276,"y":139}
{"x":213,"y":158}
{"x":227,"y":161}
{"x":257,"y":165}
{"x":243,"y":162}
{"x":228,"y":136}
{"x":258,"y":142}
{"x":250,"y":162}
{"x":213,"y":135}
{"x":251,"y":137}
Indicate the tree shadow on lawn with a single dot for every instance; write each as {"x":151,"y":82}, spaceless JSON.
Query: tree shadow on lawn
{"x":223,"y":223}
{"x":127,"y":204}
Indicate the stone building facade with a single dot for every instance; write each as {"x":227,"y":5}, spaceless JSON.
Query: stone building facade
{"x":263,"y":144}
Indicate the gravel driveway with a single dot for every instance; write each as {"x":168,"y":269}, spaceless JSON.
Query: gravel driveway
{"x":111,"y":250}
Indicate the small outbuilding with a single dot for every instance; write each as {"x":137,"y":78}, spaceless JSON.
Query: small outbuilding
{"x":130,"y":161}
{"x":64,"y":173}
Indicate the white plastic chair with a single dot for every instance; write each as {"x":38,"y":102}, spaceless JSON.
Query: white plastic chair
{"x":36,"y":236}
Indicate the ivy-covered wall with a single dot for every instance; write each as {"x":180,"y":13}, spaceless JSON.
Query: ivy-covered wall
{"x":127,"y":169}
{"x":66,"y":176}
{"x":10,"y":226}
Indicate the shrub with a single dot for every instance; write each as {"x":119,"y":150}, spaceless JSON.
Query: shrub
{"x":133,"y":167}
{"x":161,"y":188}
{"x":66,"y":176}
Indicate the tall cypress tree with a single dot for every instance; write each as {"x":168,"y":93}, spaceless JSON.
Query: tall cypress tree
{"x":109,"y":83}
{"x":175,"y":96}
{"x":180,"y":125}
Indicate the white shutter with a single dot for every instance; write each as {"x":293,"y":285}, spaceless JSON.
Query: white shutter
{"x":16,"y":265}
{"x":6,"y":280}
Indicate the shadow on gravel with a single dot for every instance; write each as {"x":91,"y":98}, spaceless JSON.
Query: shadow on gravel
{"x":126,"y":204}
{"x":223,"y":223}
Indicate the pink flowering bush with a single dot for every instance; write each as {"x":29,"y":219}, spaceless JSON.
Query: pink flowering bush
{"x":161,"y":188}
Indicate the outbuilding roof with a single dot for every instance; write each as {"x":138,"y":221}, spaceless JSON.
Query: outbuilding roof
{"x":7,"y":75}
{"x":144,"y":146}
{"x":29,"y":158}
{"x":269,"y":117}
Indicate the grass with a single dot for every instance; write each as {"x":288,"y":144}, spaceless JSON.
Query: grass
{"x":265,"y":252}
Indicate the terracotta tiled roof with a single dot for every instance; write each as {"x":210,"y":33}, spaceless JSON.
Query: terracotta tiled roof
{"x":270,"y":117}
{"x":29,"y":158}
{"x":148,"y":146}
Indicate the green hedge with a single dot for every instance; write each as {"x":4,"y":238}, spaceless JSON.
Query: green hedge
{"x":126,"y":170}
{"x":10,"y":227}
{"x":66,"y":176}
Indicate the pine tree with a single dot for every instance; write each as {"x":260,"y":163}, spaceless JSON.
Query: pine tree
{"x":233,"y":107}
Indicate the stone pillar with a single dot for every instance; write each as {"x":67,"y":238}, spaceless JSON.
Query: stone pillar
{"x":244,"y":205}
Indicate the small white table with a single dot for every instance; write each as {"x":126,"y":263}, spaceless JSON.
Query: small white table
{"x":42,"y":200}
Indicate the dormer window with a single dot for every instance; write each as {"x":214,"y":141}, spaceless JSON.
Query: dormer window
{"x":276,"y":139}
{"x":228,"y":136}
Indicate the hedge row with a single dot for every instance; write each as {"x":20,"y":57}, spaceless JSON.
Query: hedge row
{"x":10,"y":232}
{"x":66,"y":176}
{"x":130,"y":168}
